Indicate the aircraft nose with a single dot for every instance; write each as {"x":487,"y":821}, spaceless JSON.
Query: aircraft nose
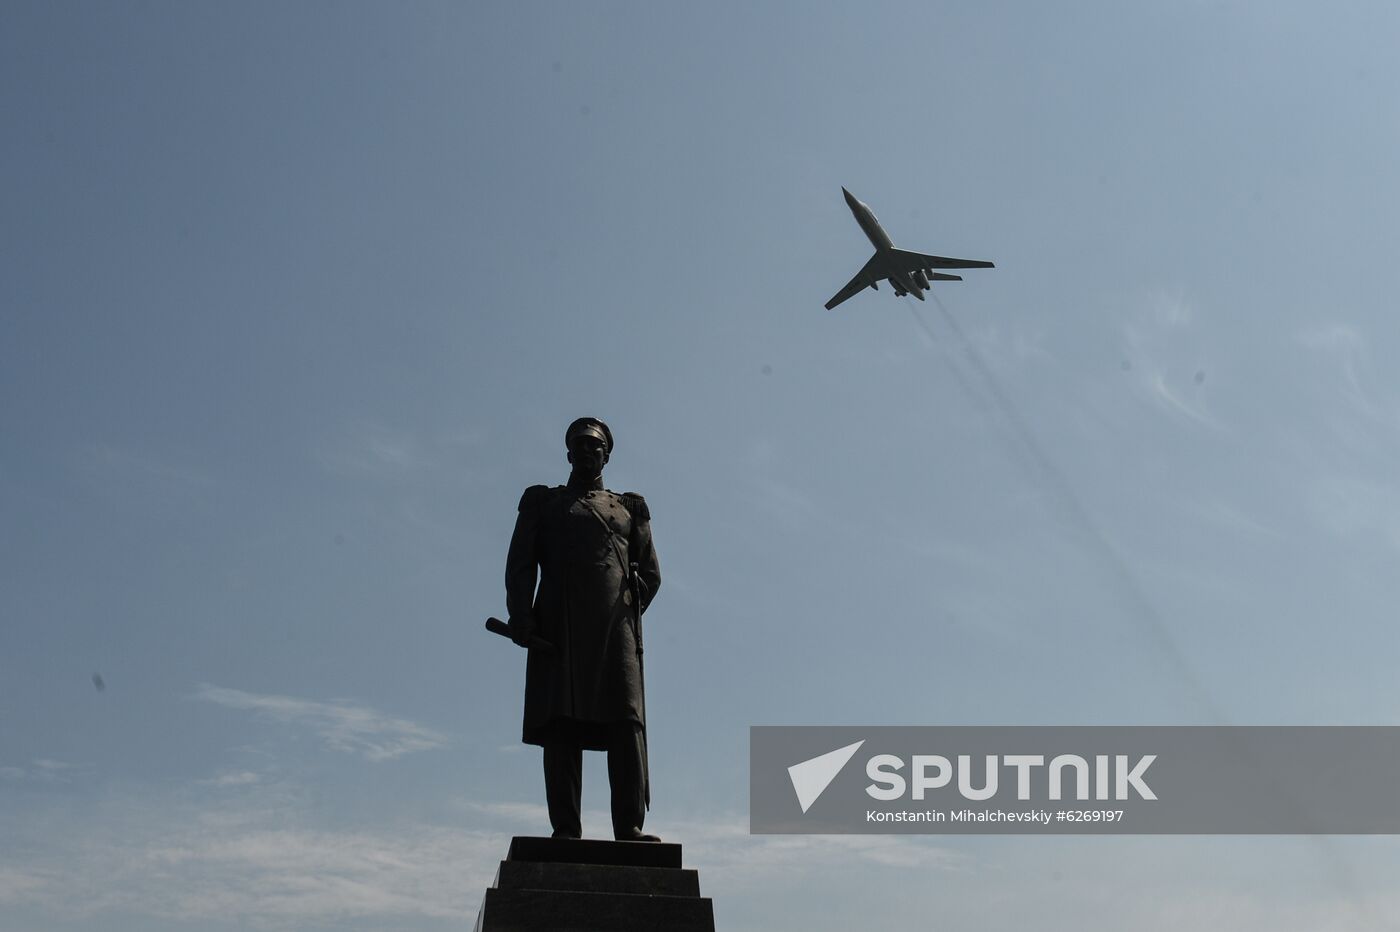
{"x":850,"y":198}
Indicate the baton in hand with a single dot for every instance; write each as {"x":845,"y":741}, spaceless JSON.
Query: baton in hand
{"x":496,"y":626}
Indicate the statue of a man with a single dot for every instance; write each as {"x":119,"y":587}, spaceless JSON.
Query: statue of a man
{"x":591,"y":551}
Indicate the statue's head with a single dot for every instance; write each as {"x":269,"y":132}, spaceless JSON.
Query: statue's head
{"x":590,"y":444}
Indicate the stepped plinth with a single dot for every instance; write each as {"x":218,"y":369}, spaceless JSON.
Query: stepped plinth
{"x":591,"y":885}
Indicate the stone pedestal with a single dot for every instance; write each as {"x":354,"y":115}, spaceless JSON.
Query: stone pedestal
{"x":588,"y":885}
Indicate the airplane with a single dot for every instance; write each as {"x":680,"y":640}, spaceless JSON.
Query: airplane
{"x":907,"y":272}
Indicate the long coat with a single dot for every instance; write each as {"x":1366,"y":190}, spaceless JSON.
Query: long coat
{"x":581,"y":543}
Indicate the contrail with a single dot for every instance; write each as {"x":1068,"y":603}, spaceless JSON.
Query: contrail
{"x":1125,"y":582}
{"x":962,"y":379}
{"x":1129,"y":589}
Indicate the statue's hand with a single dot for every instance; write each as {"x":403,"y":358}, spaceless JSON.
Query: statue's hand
{"x":522,"y":628}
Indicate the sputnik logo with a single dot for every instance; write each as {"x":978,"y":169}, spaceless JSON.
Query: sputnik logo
{"x":811,"y":777}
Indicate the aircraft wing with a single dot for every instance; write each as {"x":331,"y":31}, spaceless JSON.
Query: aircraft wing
{"x":908,"y":261}
{"x":865,"y":278}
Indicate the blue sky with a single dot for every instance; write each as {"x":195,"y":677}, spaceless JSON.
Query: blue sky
{"x":296,"y":299}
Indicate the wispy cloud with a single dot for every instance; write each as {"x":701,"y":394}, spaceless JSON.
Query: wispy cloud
{"x":222,"y":863}
{"x":1172,"y":400}
{"x":410,"y":471}
{"x":239,"y":868}
{"x":17,"y":884}
{"x":524,"y":816}
{"x":1347,"y":347}
{"x":128,"y":472}
{"x":1348,"y":506}
{"x":782,"y":499}
{"x":342,"y":724}
{"x":1164,"y":351}
{"x":242,"y":778}
{"x":1230,"y":517}
{"x":44,"y":770}
{"x":369,"y":448}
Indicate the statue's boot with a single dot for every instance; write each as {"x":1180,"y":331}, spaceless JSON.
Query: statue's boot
{"x":627,"y":780}
{"x":563,"y":788}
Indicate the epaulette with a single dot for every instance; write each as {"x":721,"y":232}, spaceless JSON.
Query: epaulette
{"x":636,"y":505}
{"x":532,"y":495}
